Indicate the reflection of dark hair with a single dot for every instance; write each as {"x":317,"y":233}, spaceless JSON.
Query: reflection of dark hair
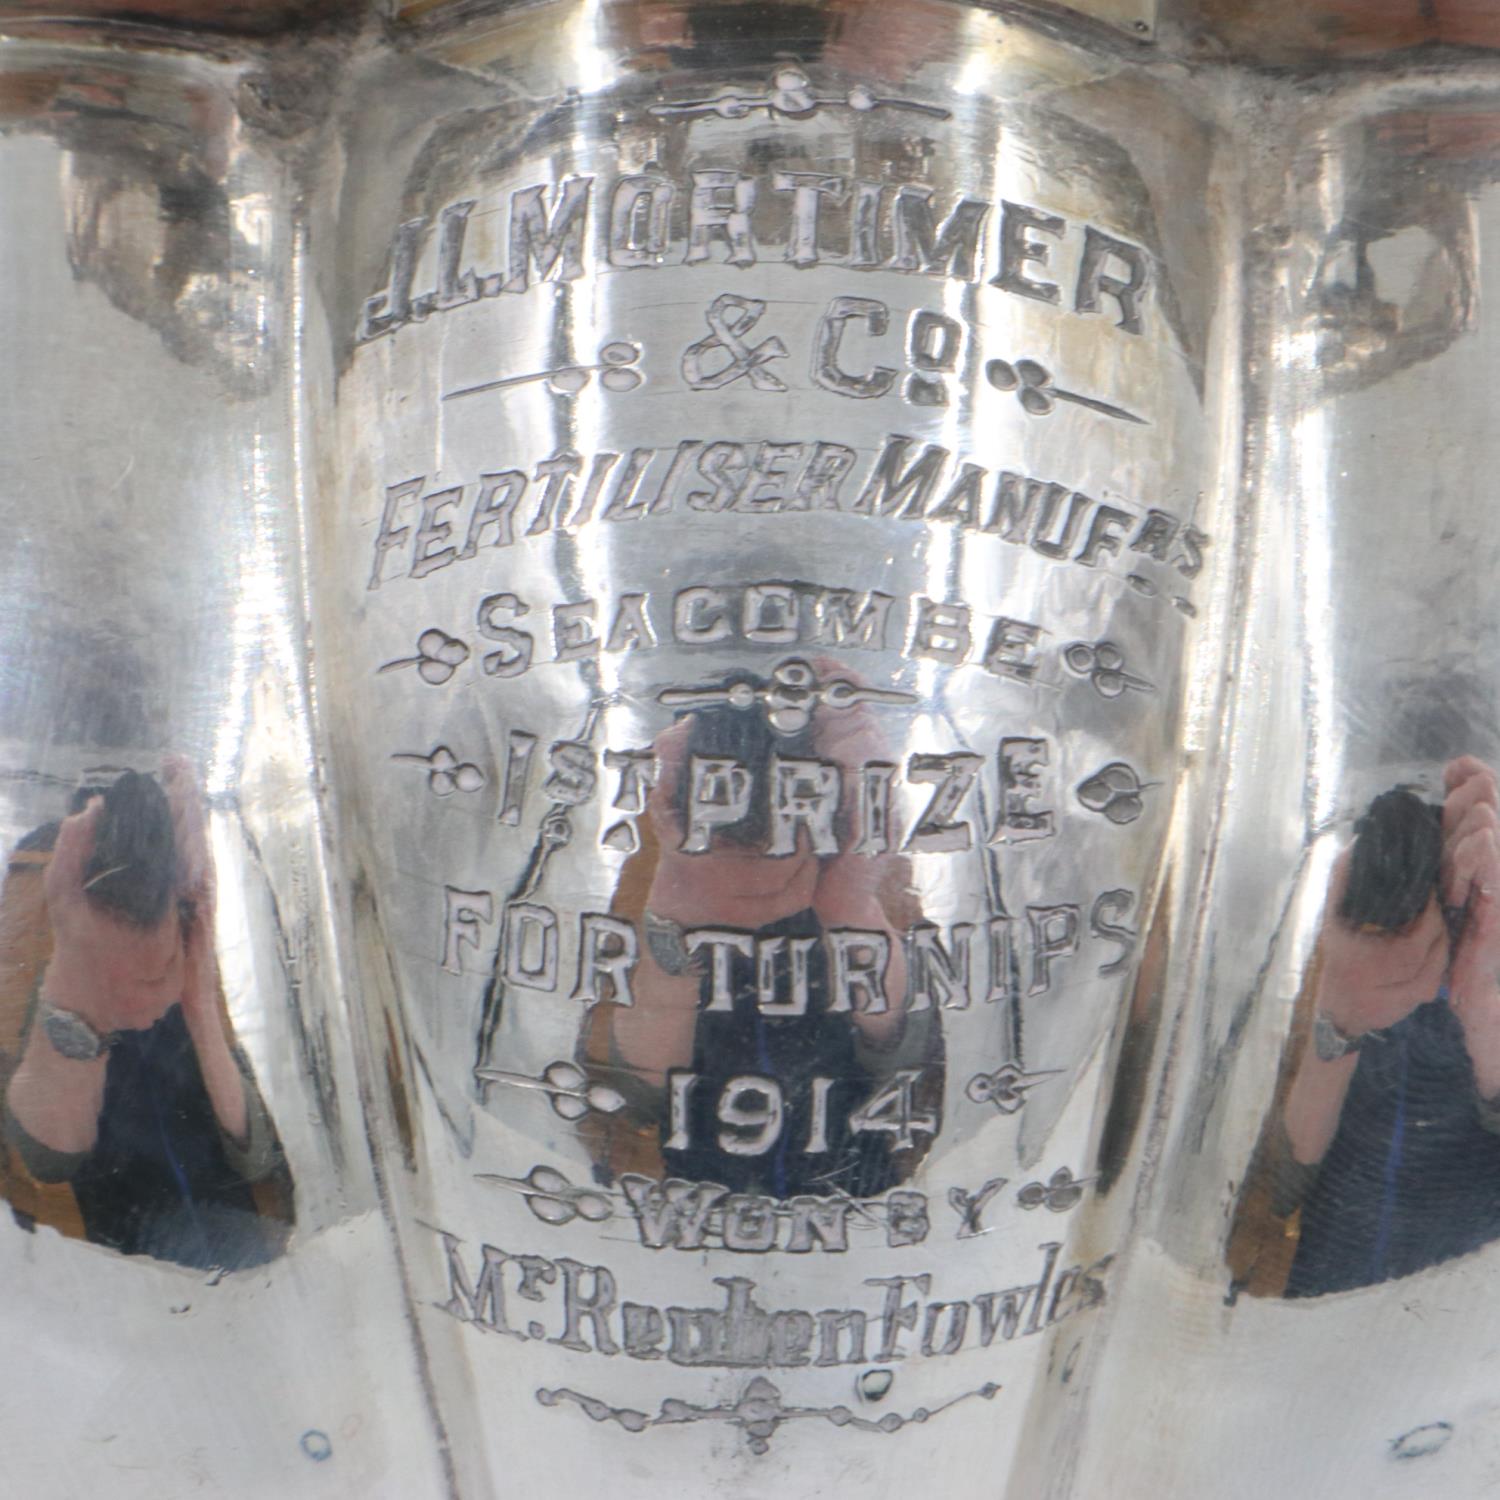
{"x":723,"y":731}
{"x":133,"y":869}
{"x":1393,"y":869}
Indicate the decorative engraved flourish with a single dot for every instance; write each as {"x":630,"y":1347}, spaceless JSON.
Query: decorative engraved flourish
{"x":1103,"y":663}
{"x":615,"y":367}
{"x":1115,"y":792}
{"x":566,"y":1086}
{"x":789,"y":94}
{"x":552,"y":1198}
{"x":758,"y":1412}
{"x":446,"y":773}
{"x":1033,"y":387}
{"x":791,"y":697}
{"x":1006,"y":1088}
{"x":1059,"y":1193}
{"x":439,"y":656}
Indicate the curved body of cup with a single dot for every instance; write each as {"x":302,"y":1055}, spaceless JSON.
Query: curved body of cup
{"x":811,"y":803}
{"x":775,"y":525}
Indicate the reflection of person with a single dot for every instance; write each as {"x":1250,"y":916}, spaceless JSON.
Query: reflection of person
{"x":130,"y":1115}
{"x":785,"y":905}
{"x":1389,"y":1149}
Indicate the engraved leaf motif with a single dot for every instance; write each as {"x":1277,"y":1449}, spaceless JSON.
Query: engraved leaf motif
{"x":439,"y":655}
{"x":1115,"y":791}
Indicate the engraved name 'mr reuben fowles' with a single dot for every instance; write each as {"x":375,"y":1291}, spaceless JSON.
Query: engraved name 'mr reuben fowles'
{"x":588,"y":1317}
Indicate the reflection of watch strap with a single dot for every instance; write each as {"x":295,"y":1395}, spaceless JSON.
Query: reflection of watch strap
{"x":73,"y":1037}
{"x":1331,"y":1044}
{"x":666,"y":941}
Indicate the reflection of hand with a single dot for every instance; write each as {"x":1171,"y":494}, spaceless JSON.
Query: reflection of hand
{"x":1370,"y":978}
{"x":1471,"y":878}
{"x":195,"y":865}
{"x":862,"y":890}
{"x":851,"y":738}
{"x":197,"y":887}
{"x":847,"y":737}
{"x":115,"y":975}
{"x":730,"y":884}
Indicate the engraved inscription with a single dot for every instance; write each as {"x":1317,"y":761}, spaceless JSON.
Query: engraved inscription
{"x":810,"y":795}
{"x":899,"y":1321}
{"x":970,"y":1206}
{"x":761,"y":479}
{"x":680,"y":1215}
{"x":714,"y":216}
{"x":972,"y":961}
{"x":758,"y":875}
{"x":465,"y":914}
{"x":751,"y":1109}
{"x":1104,"y":921}
{"x":724,"y":356}
{"x":757,"y":614}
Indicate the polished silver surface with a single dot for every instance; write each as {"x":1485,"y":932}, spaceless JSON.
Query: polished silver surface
{"x":156,"y":587}
{"x":760,"y":591}
{"x":811,"y":708}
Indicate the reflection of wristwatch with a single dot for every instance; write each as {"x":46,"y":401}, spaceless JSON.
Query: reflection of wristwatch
{"x":73,"y":1037}
{"x":665,"y":939}
{"x":1331,"y":1044}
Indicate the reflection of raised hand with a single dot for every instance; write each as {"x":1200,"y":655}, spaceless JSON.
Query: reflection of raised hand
{"x":116,"y":975}
{"x":202,"y":989}
{"x":655,"y":1034}
{"x":736,"y":883}
{"x":108,"y":973}
{"x":730,"y":884}
{"x":857,"y":890}
{"x":1370,"y":978}
{"x":1471,"y":875}
{"x":852,"y":736}
{"x":1471,"y":885}
{"x":195,"y":865}
{"x":196,"y":888}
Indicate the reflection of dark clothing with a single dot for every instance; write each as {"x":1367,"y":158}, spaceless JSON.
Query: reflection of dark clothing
{"x":793,"y":1050}
{"x":162,"y":1178}
{"x":1412,"y":1176}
